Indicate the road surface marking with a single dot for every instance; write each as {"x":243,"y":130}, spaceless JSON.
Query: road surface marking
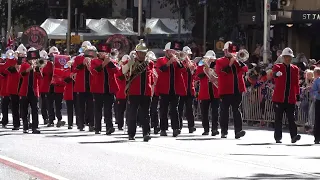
{"x":28,"y":169}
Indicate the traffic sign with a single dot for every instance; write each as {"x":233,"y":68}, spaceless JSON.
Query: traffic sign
{"x":219,"y":45}
{"x":75,"y":39}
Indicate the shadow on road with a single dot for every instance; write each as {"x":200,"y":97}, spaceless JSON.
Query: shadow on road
{"x":263,"y":176}
{"x":105,"y":142}
{"x":258,"y":144}
{"x":198,"y":139}
{"x":271,"y":155}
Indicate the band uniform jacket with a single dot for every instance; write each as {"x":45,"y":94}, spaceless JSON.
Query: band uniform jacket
{"x":164,"y":76}
{"x":100,"y":83}
{"x":155,"y":80}
{"x":121,"y":81}
{"x":204,"y":93}
{"x":82,"y":74}
{"x":226,"y":76}
{"x":45,"y":81}
{"x":188,"y":78}
{"x":280,"y":84}
{"x":136,"y":87}
{"x":3,"y":79}
{"x":25,"y":80}
{"x":68,"y":88}
{"x":13,"y":77}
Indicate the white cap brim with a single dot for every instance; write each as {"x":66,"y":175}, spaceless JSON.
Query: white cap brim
{"x":287,"y":55}
{"x":210,"y":57}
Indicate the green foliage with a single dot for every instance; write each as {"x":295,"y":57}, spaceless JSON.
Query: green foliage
{"x":222,"y":16}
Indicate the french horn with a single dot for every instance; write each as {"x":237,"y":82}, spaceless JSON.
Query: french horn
{"x":210,"y":73}
{"x":242,"y":55}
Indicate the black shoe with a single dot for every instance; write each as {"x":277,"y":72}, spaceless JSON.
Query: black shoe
{"x":110,"y":131}
{"x":163,"y":133}
{"x":25,"y":131}
{"x":59,"y":124}
{"x":156,"y":130}
{"x":295,"y":139}
{"x":4,"y":126}
{"x":176,"y":132}
{"x":45,"y":121}
{"x":240,"y":134}
{"x":316,"y":142}
{"x":97,"y":132}
{"x":91,"y":128}
{"x":131,"y":138}
{"x":278,"y":141}
{"x":63,"y":123}
{"x":81,"y":129}
{"x":120,"y":128}
{"x":146,"y":138}
{"x":50,"y":124}
{"x":35,"y":131}
{"x":205,"y":133}
{"x":214,"y":133}
{"x":15,"y":129}
{"x":224,"y":135}
{"x":191,"y":130}
{"x":69,"y":127}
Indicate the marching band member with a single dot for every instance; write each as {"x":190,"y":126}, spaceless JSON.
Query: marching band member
{"x":208,"y":93}
{"x":170,"y":86}
{"x":83,"y":79}
{"x":187,"y":100}
{"x":121,"y":98}
{"x":13,"y":79}
{"x":230,"y":86}
{"x":285,"y":95}
{"x":47,"y":110}
{"x":154,"y":115}
{"x":5,"y":101}
{"x":29,"y":90}
{"x":139,"y":70}
{"x":68,"y":95}
{"x":103,"y":69}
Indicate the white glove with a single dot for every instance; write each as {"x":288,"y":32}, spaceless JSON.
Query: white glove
{"x":298,"y":103}
{"x":278,"y":74}
{"x":125,"y":68}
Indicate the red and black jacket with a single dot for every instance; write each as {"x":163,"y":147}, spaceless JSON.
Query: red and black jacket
{"x":228,"y":76}
{"x":27,"y":78}
{"x":121,"y":81}
{"x":83,"y":78}
{"x":188,"y":78}
{"x":104,"y":78}
{"x":13,"y":77}
{"x":45,"y":81}
{"x":69,"y":85}
{"x":286,"y":87}
{"x":3,"y":80}
{"x":170,"y":75}
{"x":207,"y":90}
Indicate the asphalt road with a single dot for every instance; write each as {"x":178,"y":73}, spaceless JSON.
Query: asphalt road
{"x":69,"y":154}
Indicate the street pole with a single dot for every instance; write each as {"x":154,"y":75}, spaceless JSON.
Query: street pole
{"x":69,"y":27}
{"x":266,"y":29}
{"x":9,"y":19}
{"x":139,"y":17}
{"x":179,"y":20}
{"x":205,"y":28}
{"x":76,"y":20}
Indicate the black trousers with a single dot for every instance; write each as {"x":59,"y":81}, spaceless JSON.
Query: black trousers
{"x":58,"y":97}
{"x":15,"y":109}
{"x":120,"y":108}
{"x":316,"y":128}
{"x":186,"y":101}
{"x":25,"y":101}
{"x":169,"y":101}
{"x":71,"y":107}
{"x":85,"y":108}
{"x":233,"y":100}
{"x":5,"y":111}
{"x":104,"y":101}
{"x":143,"y":104}
{"x":47,"y":107}
{"x":204,"y":106}
{"x":289,"y":109}
{"x":154,"y":111}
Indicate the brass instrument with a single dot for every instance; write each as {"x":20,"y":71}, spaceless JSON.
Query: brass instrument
{"x":242,"y":55}
{"x":41,"y":63}
{"x":211,"y":74}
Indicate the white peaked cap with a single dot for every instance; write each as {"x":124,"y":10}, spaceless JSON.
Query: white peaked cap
{"x":125,"y":58}
{"x":32,"y":49}
{"x":226,"y":45}
{"x":21,"y":49}
{"x":86,"y":43}
{"x":92,"y":48}
{"x":43,"y":54}
{"x":151,"y":56}
{"x":287,"y":52}
{"x":210,"y":54}
{"x":10,"y":53}
{"x":54,"y":49}
{"x":187,"y":50}
{"x":167,"y":46}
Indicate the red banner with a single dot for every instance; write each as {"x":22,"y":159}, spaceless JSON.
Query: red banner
{"x":59,"y":72}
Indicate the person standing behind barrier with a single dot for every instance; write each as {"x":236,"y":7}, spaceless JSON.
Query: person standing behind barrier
{"x":208,"y":94}
{"x":316,"y":94}
{"x":286,"y":95}
{"x":230,"y":87}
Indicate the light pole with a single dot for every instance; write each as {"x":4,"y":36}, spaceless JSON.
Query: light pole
{"x":266,"y":29}
{"x":139,"y":17}
{"x":9,"y":19}
{"x":179,"y":20}
{"x":69,"y":27}
{"x":205,"y":14}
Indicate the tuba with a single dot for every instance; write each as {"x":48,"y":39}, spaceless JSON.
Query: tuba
{"x":211,"y":74}
{"x":242,"y":55}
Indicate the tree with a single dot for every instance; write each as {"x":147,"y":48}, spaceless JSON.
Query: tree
{"x":222,"y":16}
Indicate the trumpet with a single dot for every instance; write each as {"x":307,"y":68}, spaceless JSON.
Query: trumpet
{"x":242,"y":55}
{"x":41,"y":63}
{"x":210,"y":73}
